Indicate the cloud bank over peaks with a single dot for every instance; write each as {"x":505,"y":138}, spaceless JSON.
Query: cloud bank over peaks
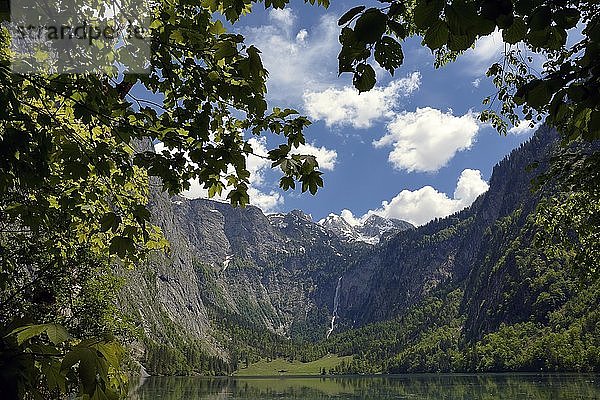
{"x":425,"y":204}
{"x":345,"y":106}
{"x":426,"y":139}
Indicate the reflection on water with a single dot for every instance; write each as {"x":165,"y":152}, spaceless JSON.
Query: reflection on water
{"x":417,"y":387}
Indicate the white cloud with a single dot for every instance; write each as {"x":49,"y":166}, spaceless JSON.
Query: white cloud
{"x":469,"y":186}
{"x":284,"y":18}
{"x":350,"y":218}
{"x":256,"y":164}
{"x":487,"y":50}
{"x":297,"y":58}
{"x":301,"y":36}
{"x":423,"y":205}
{"x":426,"y":139}
{"x":325,"y":157}
{"x":476,"y":82}
{"x":524,"y":127}
{"x":267,"y":202}
{"x":345,"y":106}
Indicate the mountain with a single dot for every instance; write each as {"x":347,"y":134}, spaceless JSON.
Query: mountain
{"x":372,"y":230}
{"x":473,"y":291}
{"x":232,"y":273}
{"x":466,"y":292}
{"x":392,"y":277}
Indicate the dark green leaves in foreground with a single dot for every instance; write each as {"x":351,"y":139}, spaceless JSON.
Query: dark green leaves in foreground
{"x":565,"y":91}
{"x":78,"y":159}
{"x":388,"y":53}
{"x":364,"y":77}
{"x":63,"y":363}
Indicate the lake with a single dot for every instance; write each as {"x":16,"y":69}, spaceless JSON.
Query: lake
{"x":414,"y":387}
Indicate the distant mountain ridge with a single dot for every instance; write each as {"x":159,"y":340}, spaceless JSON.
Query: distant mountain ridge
{"x":372,"y":230}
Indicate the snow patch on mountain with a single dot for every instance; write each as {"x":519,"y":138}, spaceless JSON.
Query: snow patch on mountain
{"x":372,"y":230}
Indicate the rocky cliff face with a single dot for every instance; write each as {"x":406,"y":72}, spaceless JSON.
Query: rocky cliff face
{"x":271,"y":272}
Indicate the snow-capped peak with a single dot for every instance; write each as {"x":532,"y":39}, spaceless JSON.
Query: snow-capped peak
{"x":369,"y":230}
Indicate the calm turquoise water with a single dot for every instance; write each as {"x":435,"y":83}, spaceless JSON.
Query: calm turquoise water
{"x":413,"y":387}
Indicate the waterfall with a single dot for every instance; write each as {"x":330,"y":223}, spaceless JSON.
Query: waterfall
{"x":336,"y":301}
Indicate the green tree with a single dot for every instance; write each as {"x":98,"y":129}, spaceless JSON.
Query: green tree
{"x":75,"y":172}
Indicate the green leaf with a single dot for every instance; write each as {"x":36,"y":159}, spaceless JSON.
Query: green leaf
{"x":141,"y":213}
{"x":225,"y":49}
{"x":352,"y":51}
{"x":109,"y":221}
{"x":121,"y":245}
{"x":427,"y":12}
{"x":516,"y":32}
{"x":364,"y":78}
{"x":539,"y":94}
{"x":388,"y":53}
{"x":567,"y":18}
{"x":540,"y":18}
{"x":594,"y":126}
{"x":353,"y":12}
{"x":87,"y":370}
{"x":397,"y":28}
{"x":287,"y":182}
{"x":25,"y":333}
{"x":57,"y":334}
{"x":396,"y":8}
{"x":538,"y":38}
{"x":177,"y":36}
{"x":459,"y":42}
{"x":370,"y":26}
{"x":72,"y":358}
{"x":437,"y":35}
{"x":217,"y":28}
{"x":110,"y":351}
{"x":463,"y":20}
{"x":99,"y":394}
{"x":54,"y":378}
{"x":499,"y":11}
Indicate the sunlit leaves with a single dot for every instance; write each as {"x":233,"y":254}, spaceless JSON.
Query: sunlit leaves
{"x":91,"y":366}
{"x":57,"y":334}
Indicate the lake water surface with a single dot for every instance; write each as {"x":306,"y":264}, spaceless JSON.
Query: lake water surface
{"x":414,"y":387}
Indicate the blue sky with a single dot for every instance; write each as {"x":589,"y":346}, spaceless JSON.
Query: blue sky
{"x":411,"y":148}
